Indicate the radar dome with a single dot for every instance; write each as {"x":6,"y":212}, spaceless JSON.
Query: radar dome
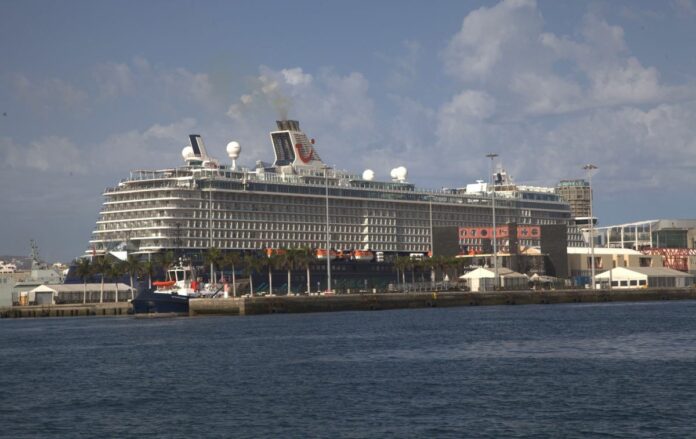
{"x":368,"y":174}
{"x":233,"y":149}
{"x":187,"y":152}
{"x":399,"y":173}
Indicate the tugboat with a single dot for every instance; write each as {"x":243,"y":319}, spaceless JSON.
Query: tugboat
{"x":171,"y":296}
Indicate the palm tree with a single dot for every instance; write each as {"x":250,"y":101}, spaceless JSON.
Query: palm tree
{"x":232,"y":260}
{"x":212,"y":256}
{"x":271,"y":262}
{"x":84,"y":270}
{"x":150,"y":268}
{"x":166,"y":259}
{"x":100,"y":266}
{"x":133,"y":266}
{"x":456,"y":263}
{"x":439,"y":263}
{"x":252,"y":264}
{"x":401,"y":264}
{"x":115,"y":271}
{"x":303,"y":259}
{"x":291,"y":261}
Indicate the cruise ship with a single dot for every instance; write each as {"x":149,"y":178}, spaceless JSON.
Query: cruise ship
{"x":290,"y":203}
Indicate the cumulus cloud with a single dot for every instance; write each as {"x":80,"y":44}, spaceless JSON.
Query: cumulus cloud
{"x":114,"y":79}
{"x":333,"y":108}
{"x":491,"y":36}
{"x":51,"y":94}
{"x":140,"y":78}
{"x":549,"y":103}
{"x":155,"y":147}
{"x":504,"y":48}
{"x":403,"y":66}
{"x":47,"y":154}
{"x":684,"y":7}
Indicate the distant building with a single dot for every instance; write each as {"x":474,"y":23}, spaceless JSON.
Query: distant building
{"x":51,"y":294}
{"x":580,"y":260}
{"x":578,"y":194}
{"x":644,"y":277}
{"x":514,"y":243}
{"x":660,"y":233}
{"x":673,"y":239}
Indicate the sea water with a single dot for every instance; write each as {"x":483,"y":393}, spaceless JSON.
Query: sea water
{"x":556,"y":371}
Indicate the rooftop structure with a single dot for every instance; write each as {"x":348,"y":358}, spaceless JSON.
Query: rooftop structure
{"x":659,"y":233}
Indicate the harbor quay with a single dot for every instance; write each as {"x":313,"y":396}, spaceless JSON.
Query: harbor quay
{"x":362,"y":302}
{"x":385,"y":301}
{"x":68,"y":310}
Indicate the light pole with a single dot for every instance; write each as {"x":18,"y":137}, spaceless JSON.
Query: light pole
{"x":328,"y":236}
{"x":432,"y":271}
{"x":589,"y":168}
{"x":492,"y":156}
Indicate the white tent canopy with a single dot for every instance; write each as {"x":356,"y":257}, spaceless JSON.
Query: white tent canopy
{"x":482,"y":279}
{"x":642,"y":277}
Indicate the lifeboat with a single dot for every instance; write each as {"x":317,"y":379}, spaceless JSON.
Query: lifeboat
{"x":163,"y":283}
{"x":321,"y":254}
{"x":274,"y":251}
{"x":363,"y":255}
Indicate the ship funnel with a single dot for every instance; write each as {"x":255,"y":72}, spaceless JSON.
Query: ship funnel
{"x":198,"y":146}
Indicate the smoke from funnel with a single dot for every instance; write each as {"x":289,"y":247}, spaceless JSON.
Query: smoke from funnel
{"x":282,"y":105}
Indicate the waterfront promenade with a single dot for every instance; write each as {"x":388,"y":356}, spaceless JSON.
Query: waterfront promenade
{"x":385,"y":301}
{"x":363,"y":302}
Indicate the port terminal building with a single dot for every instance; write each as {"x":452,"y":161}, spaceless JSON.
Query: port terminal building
{"x":643,"y":277}
{"x":672,"y":239}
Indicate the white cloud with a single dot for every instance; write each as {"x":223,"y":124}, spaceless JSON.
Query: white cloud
{"x":505,"y":50}
{"x":181,"y":83}
{"x":335,"y":109}
{"x":47,"y":95}
{"x":156,"y":147}
{"x":296,"y":77}
{"x":50,"y":154}
{"x":549,"y":103}
{"x":684,"y":7}
{"x":114,"y":79}
{"x":489,"y":36}
{"x":141,"y":79}
{"x":403,"y":66}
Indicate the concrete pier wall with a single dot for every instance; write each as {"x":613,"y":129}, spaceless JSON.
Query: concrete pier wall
{"x":371,"y":302}
{"x":72,"y":310}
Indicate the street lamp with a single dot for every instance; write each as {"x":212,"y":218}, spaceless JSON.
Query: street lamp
{"x":492,"y":156}
{"x":328,"y":236}
{"x":589,"y":168}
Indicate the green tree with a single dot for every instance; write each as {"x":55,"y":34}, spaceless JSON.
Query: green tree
{"x":115,"y":271}
{"x":149,"y":268}
{"x":272,"y":262}
{"x":100,"y":266}
{"x":252,"y":264}
{"x":232,"y":260}
{"x":213,"y":257}
{"x":304,"y":259}
{"x":84,"y":271}
{"x":133,"y":266}
{"x":291,"y":261}
{"x":165,"y":259}
{"x":402,"y":263}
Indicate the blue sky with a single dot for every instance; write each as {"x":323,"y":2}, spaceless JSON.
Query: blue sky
{"x":92,"y":90}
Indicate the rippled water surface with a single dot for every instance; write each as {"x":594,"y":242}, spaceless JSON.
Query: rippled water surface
{"x":606,"y":370}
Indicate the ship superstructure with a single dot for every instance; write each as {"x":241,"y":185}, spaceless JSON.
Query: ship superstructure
{"x":205,"y":204}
